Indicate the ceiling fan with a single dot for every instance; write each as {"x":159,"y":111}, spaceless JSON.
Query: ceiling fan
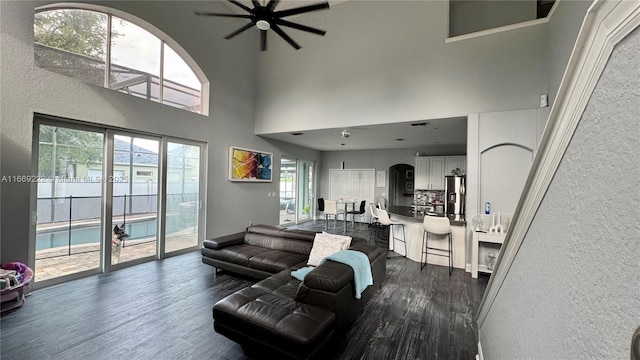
{"x":264,"y":17}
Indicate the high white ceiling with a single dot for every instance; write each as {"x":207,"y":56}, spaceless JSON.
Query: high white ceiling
{"x":438,"y":132}
{"x":415,"y":134}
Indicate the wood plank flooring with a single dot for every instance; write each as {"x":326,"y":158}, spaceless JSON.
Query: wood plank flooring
{"x":162,"y":310}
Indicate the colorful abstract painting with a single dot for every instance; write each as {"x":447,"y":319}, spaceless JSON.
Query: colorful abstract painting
{"x":249,"y":165}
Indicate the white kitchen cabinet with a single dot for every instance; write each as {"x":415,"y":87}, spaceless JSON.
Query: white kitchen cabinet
{"x":436,"y":172}
{"x":453,"y":162}
{"x":483,"y":244}
{"x":429,"y":173}
{"x":421,"y":173}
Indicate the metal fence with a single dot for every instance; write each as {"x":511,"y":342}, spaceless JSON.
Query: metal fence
{"x":76,"y":220}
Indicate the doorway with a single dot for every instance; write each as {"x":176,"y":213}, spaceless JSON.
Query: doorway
{"x":401,"y":184}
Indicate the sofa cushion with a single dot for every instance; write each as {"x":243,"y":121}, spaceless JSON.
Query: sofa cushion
{"x":238,"y":254}
{"x":275,"y":260}
{"x":278,"y":243}
{"x":284,"y":233}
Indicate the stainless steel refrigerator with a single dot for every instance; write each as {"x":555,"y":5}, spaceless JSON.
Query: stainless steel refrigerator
{"x":455,"y":197}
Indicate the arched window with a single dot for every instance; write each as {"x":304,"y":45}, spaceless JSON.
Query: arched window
{"x":110,"y":48}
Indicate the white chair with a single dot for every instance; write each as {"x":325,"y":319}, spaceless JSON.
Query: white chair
{"x":437,"y":226}
{"x":383,"y":217}
{"x":331,"y":209}
{"x":374,"y":215}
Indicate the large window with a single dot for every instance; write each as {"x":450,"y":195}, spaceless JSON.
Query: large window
{"x":103,"y":49}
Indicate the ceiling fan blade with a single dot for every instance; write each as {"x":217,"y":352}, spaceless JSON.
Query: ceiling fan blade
{"x":300,"y":10}
{"x":245,"y":8}
{"x":222,"y":15}
{"x":272,"y":4}
{"x":263,"y":40}
{"x":300,"y":27}
{"x":256,"y":4}
{"x":286,"y":37}
{"x":249,"y":25}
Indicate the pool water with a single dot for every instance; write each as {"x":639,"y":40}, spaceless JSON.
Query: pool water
{"x":91,"y":234}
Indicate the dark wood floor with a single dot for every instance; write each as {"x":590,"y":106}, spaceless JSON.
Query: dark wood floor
{"x":162,"y":310}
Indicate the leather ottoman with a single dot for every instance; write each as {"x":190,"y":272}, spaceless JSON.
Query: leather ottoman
{"x":268,"y":314}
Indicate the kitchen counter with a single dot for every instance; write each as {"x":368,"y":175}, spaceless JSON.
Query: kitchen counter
{"x":408,"y":214}
{"x":414,"y":234}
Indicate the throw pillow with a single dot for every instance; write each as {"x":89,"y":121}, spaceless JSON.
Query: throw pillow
{"x":345,"y":239}
{"x":323,"y":246}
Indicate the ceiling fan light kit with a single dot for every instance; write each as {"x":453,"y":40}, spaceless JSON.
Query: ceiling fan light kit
{"x":265,"y":18}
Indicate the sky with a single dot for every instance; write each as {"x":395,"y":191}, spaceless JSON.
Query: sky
{"x":137,"y":48}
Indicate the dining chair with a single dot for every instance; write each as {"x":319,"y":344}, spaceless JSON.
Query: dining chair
{"x":383,"y":217}
{"x":331,"y":209}
{"x":435,"y":225}
{"x":358,"y":212}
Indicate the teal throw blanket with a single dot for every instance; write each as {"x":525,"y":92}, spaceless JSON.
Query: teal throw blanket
{"x":362,"y":276}
{"x":300,"y":273}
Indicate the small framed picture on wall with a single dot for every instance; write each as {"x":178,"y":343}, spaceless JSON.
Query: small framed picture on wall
{"x":409,"y":174}
{"x":409,"y":185}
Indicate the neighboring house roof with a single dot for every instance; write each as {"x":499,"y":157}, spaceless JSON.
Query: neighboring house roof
{"x":141,"y":156}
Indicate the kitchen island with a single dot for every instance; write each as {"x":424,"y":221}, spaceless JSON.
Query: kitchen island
{"x":414,"y":230}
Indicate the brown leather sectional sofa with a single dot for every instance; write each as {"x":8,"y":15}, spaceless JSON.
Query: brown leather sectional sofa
{"x":280,"y":316}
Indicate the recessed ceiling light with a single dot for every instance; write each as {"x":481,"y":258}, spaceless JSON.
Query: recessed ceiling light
{"x":296,"y":133}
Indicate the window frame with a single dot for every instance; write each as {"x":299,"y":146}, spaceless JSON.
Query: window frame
{"x":163,"y":37}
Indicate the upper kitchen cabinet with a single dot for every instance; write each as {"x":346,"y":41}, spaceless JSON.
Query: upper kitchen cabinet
{"x":429,"y":173}
{"x":455,"y":162}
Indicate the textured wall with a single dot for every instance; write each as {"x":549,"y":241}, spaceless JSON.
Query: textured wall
{"x":573,"y":290}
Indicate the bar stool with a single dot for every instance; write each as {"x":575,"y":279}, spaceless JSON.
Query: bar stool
{"x":383,"y":217}
{"x":437,"y":226}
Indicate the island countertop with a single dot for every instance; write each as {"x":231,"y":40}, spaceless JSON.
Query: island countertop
{"x":408,"y":214}
{"x":413,"y":233}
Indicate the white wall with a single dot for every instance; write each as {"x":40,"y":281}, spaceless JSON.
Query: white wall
{"x":230,"y":67}
{"x":387,"y":61}
{"x":467,"y":16}
{"x":379,"y":160}
{"x":563,"y":28}
{"x":500,"y":150}
{"x":572,"y":290}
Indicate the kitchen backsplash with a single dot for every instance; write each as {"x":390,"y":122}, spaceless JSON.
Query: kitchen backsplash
{"x":427,"y":197}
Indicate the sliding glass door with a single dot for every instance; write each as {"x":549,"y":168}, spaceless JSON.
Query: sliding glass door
{"x":135,"y":198}
{"x":288,"y":175}
{"x":305,"y":192}
{"x":106,"y":198}
{"x":182,"y":226}
{"x":296,"y":191}
{"x":68,"y":201}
